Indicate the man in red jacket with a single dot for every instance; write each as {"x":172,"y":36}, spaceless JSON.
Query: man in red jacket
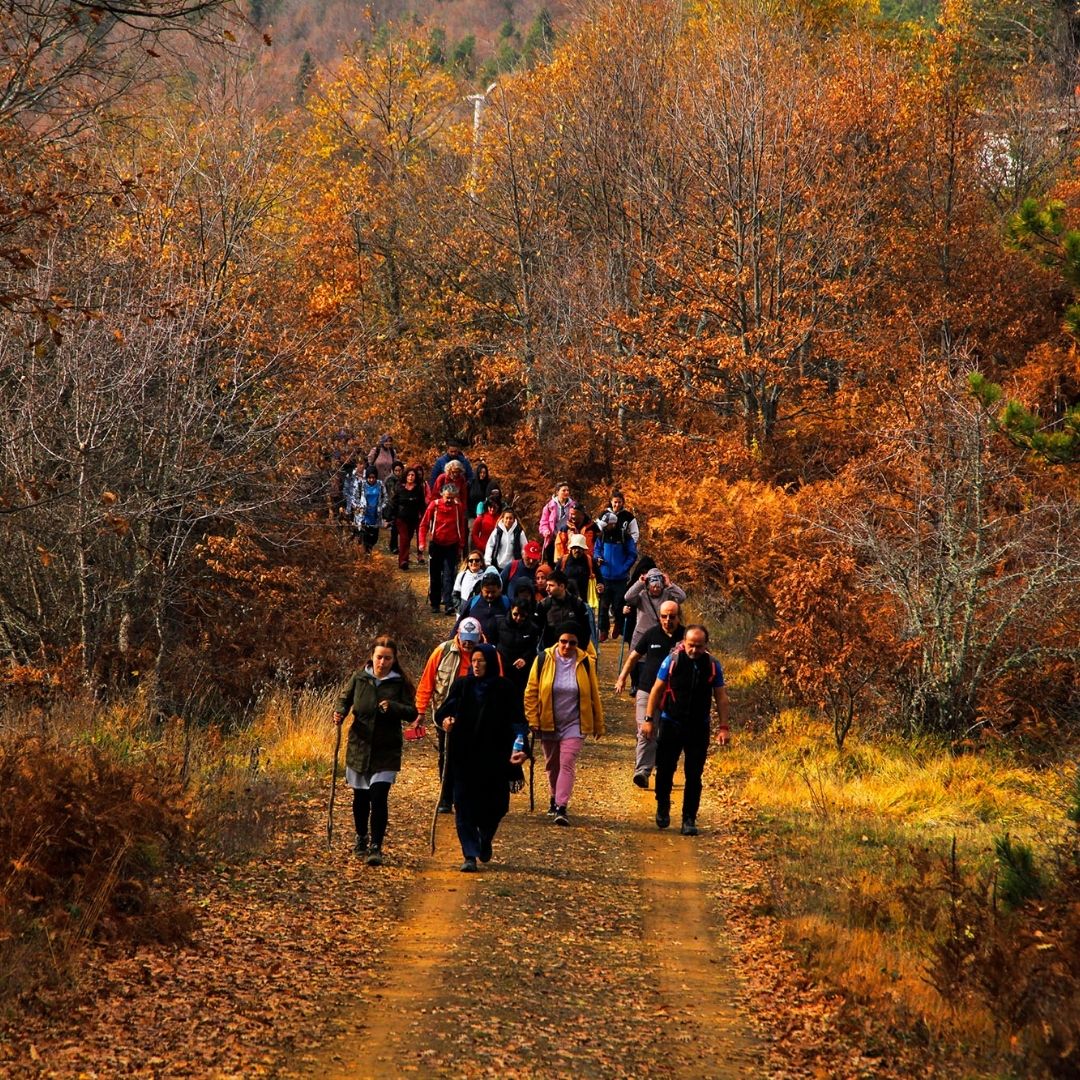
{"x":442,"y":535}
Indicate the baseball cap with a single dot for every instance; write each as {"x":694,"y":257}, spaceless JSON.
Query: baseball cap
{"x":469,"y":630}
{"x":533,"y":550}
{"x":579,"y":541}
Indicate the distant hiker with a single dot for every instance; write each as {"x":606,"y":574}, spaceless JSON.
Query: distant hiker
{"x":646,"y":595}
{"x":381,"y":699}
{"x":562,"y":704}
{"x":489,"y":606}
{"x":577,"y":566}
{"x":453,"y":453}
{"x":397,"y":475}
{"x":467,"y":583}
{"x":540,"y":579}
{"x":405,"y":508}
{"x":442,"y":536}
{"x":382,"y":456}
{"x":614,"y":554}
{"x":580,"y":525}
{"x":481,"y":721}
{"x":641,"y":568}
{"x":446,"y":662}
{"x":506,"y":542}
{"x":479,"y":485}
{"x":484,"y":525}
{"x":644,"y":661}
{"x":555,"y":520}
{"x":519,"y":639}
{"x":523,"y":569}
{"x":367,"y":505}
{"x":560,"y":607}
{"x":627,"y":523}
{"x":454,"y":473}
{"x":688,"y":683}
{"x":342,"y":470}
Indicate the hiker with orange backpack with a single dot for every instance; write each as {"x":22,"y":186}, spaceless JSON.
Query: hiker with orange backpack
{"x":690,"y":681}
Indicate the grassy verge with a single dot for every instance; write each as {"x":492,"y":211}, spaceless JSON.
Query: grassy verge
{"x":885,"y":867}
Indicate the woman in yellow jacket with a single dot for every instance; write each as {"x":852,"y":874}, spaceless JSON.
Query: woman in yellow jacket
{"x":562,"y":703}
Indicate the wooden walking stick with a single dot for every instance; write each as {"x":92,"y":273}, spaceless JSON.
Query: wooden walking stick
{"x":532,"y":797}
{"x":333,"y":790}
{"x":442,"y":781}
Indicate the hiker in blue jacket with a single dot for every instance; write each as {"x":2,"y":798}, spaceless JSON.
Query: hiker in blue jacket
{"x":614,"y":555}
{"x":453,"y":453}
{"x":687,"y":685}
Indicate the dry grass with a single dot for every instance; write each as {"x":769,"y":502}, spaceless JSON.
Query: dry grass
{"x":858,"y":845}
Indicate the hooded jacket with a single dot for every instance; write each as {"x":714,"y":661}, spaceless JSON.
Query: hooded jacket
{"x":539,"y":693}
{"x":375,"y":736}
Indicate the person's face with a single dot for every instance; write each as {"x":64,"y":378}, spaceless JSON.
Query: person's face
{"x":474,"y":562}
{"x":656,"y":588}
{"x":563,"y":493}
{"x":541,"y":579}
{"x":517,"y":614}
{"x":479,"y":664}
{"x":669,"y":616}
{"x":382,"y":661}
{"x":489,"y":591}
{"x":467,"y":646}
{"x":567,"y":644}
{"x":448,"y":494}
{"x":694,"y":643}
{"x":577,"y":552}
{"x":399,"y":471}
{"x":556,"y":589}
{"x":454,"y":451}
{"x":617,"y":503}
{"x":507,"y":521}
{"x":371,"y":477}
{"x":410,"y":477}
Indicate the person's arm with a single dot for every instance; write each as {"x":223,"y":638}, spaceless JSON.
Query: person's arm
{"x":344,"y":703}
{"x":723,"y":732}
{"x":631,"y":663}
{"x":532,"y":697}
{"x":597,"y":705}
{"x":426,"y":686}
{"x":675,"y":593}
{"x":656,"y":696}
{"x":425,"y":522}
{"x":634,"y":591}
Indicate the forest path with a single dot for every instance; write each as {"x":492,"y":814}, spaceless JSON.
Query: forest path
{"x":595,"y":950}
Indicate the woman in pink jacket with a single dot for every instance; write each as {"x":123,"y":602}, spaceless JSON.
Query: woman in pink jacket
{"x":555,"y":519}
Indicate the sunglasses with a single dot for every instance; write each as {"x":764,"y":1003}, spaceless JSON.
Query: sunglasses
{"x":567,"y":641}
{"x":473,"y":560}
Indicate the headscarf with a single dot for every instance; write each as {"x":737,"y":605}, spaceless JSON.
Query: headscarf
{"x":491,"y":672}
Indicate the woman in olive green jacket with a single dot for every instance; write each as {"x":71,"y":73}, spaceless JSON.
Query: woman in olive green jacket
{"x":381,"y":700}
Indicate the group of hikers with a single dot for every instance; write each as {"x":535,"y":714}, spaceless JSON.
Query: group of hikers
{"x":520,"y":665}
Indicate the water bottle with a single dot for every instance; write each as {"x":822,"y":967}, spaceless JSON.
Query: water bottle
{"x":519,"y":744}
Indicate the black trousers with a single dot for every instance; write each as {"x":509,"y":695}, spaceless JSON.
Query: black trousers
{"x":692,"y":741}
{"x":374,"y":801}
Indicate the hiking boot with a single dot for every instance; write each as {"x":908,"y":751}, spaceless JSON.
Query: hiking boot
{"x":445,"y":808}
{"x":641,"y":780}
{"x":689,"y":827}
{"x":360,"y":845}
{"x":469,"y":866}
{"x":485,"y":849}
{"x":451,"y":611}
{"x":374,"y":855}
{"x":561,"y":816}
{"x":662,"y":820}
{"x":435,"y":609}
{"x":552,"y":808}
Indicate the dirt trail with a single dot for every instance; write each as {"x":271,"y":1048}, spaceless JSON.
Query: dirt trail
{"x":593,"y":950}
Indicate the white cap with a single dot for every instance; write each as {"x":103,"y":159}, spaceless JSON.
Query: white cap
{"x":469,"y":630}
{"x":577,"y":540}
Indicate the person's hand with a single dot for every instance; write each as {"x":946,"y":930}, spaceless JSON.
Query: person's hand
{"x":599,"y":587}
{"x":517,"y":757}
{"x":620,"y":684}
{"x":519,"y":664}
{"x":723,"y":735}
{"x":414,"y":725}
{"x":626,"y":609}
{"x":647,"y":730}
{"x":383,"y":706}
{"x":642,"y":579}
{"x":339,"y":718}
{"x":448,"y":724}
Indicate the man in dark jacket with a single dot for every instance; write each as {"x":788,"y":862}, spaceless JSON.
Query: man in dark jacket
{"x":688,"y":684}
{"x":646,"y":657}
{"x":561,"y":606}
{"x":522,"y":569}
{"x":453,"y":453}
{"x":489,"y":607}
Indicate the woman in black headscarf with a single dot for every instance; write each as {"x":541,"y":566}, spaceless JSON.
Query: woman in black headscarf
{"x":482,"y":721}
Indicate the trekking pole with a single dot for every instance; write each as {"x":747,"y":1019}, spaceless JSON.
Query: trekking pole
{"x":442,"y":781}
{"x":333,"y":791}
{"x":532,"y":799}
{"x":622,"y":648}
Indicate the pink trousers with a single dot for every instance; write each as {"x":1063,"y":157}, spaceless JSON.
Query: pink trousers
{"x":560,"y":761}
